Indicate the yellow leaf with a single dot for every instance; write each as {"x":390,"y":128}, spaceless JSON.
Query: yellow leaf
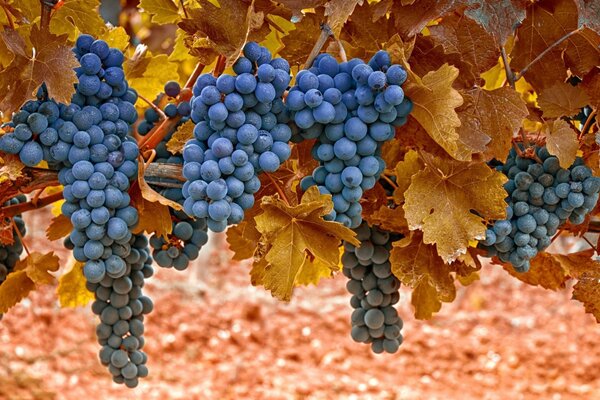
{"x":435,"y":102}
{"x":81,"y":14}
{"x":443,"y":197}
{"x":417,"y":266}
{"x":38,"y":265}
{"x":116,"y":37}
{"x":337,"y":13}
{"x":561,"y":141}
{"x":291,"y":234}
{"x":148,"y":73}
{"x":71,"y":289}
{"x":495,"y":76}
{"x":313,"y":271}
{"x":180,"y":52}
{"x":14,"y":289}
{"x":59,"y":227}
{"x":162,"y":11}
{"x":562,"y":99}
{"x":184,"y":133}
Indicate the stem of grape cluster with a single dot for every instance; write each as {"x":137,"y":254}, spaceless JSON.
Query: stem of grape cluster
{"x":11,"y":23}
{"x":588,"y":124}
{"x":46,"y":15}
{"x":18,"y":232}
{"x":160,"y":112}
{"x":279,"y":190}
{"x":326,"y":32}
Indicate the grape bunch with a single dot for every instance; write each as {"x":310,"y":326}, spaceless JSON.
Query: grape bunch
{"x":10,"y":254}
{"x":121,"y":306}
{"x":188,"y":235}
{"x":374,"y":289}
{"x":240,"y":131}
{"x":542,"y":196}
{"x":351,"y":109}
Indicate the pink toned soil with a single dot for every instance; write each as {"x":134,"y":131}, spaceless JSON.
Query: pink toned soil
{"x":224,"y":339}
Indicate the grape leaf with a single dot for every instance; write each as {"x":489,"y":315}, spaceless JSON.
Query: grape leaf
{"x":499,"y":18}
{"x":243,"y":239}
{"x":561,"y":141}
{"x":435,"y":102}
{"x":184,"y":133}
{"x":465,"y":37}
{"x":405,"y":170}
{"x":417,"y":266}
{"x":148,"y":74}
{"x":588,"y":14}
{"x":14,"y":289}
{"x":312,"y":271}
{"x":59,"y":227}
{"x":38,"y":265}
{"x":162,"y":11}
{"x":363,"y":35}
{"x":221,"y":30}
{"x":299,"y":41}
{"x":591,"y":86}
{"x":373,"y":200}
{"x":562,"y":99}
{"x":180,"y":51}
{"x":442,"y":198}
{"x":80,"y":14}
{"x":496,"y":114}
{"x":390,"y":219}
{"x":545,"y":23}
{"x":116,"y":37}
{"x":154,"y":217}
{"x":337,"y":13}
{"x":587,"y":290}
{"x":71,"y":289}
{"x":52,"y":62}
{"x":583,"y":52}
{"x":11,"y":168}
{"x":29,"y":272}
{"x":551,"y":271}
{"x":291,"y":234}
{"x":410,"y":19}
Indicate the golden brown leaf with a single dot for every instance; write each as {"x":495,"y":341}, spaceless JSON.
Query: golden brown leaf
{"x":583,"y":52}
{"x":52,"y":62}
{"x":184,"y":133}
{"x":435,"y":103}
{"x":405,"y":170}
{"x":493,"y":114}
{"x":373,"y":200}
{"x":464,"y":36}
{"x":587,"y":291}
{"x":224,"y":29}
{"x":299,"y":41}
{"x":561,"y":141}
{"x":546,"y":23}
{"x":410,"y":19}
{"x":337,"y":13}
{"x":442,"y":197}
{"x":591,"y":86}
{"x":11,"y":168}
{"x":80,"y":14}
{"x":148,"y":73}
{"x":243,"y":239}
{"x":292,"y":234}
{"x":14,"y":289}
{"x":153,"y":216}
{"x":562,"y":99}
{"x":60,"y":226}
{"x":38,"y":265}
{"x":71,"y":290}
{"x":418,"y":266}
{"x":389,"y":219}
{"x":499,"y":18}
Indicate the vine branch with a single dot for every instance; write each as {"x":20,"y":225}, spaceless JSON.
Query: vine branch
{"x":46,"y":14}
{"x":510,"y":75}
{"x":588,"y":124}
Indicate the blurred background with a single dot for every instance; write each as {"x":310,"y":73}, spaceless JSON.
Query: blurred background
{"x":214,"y":336}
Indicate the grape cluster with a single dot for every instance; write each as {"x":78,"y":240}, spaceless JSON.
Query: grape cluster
{"x":10,"y":254}
{"x":351,"y":109}
{"x":541,"y":197}
{"x":121,"y":306}
{"x":240,"y":131}
{"x":374,"y":289}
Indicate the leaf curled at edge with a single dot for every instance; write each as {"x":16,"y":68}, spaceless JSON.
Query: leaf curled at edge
{"x":184,"y":133}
